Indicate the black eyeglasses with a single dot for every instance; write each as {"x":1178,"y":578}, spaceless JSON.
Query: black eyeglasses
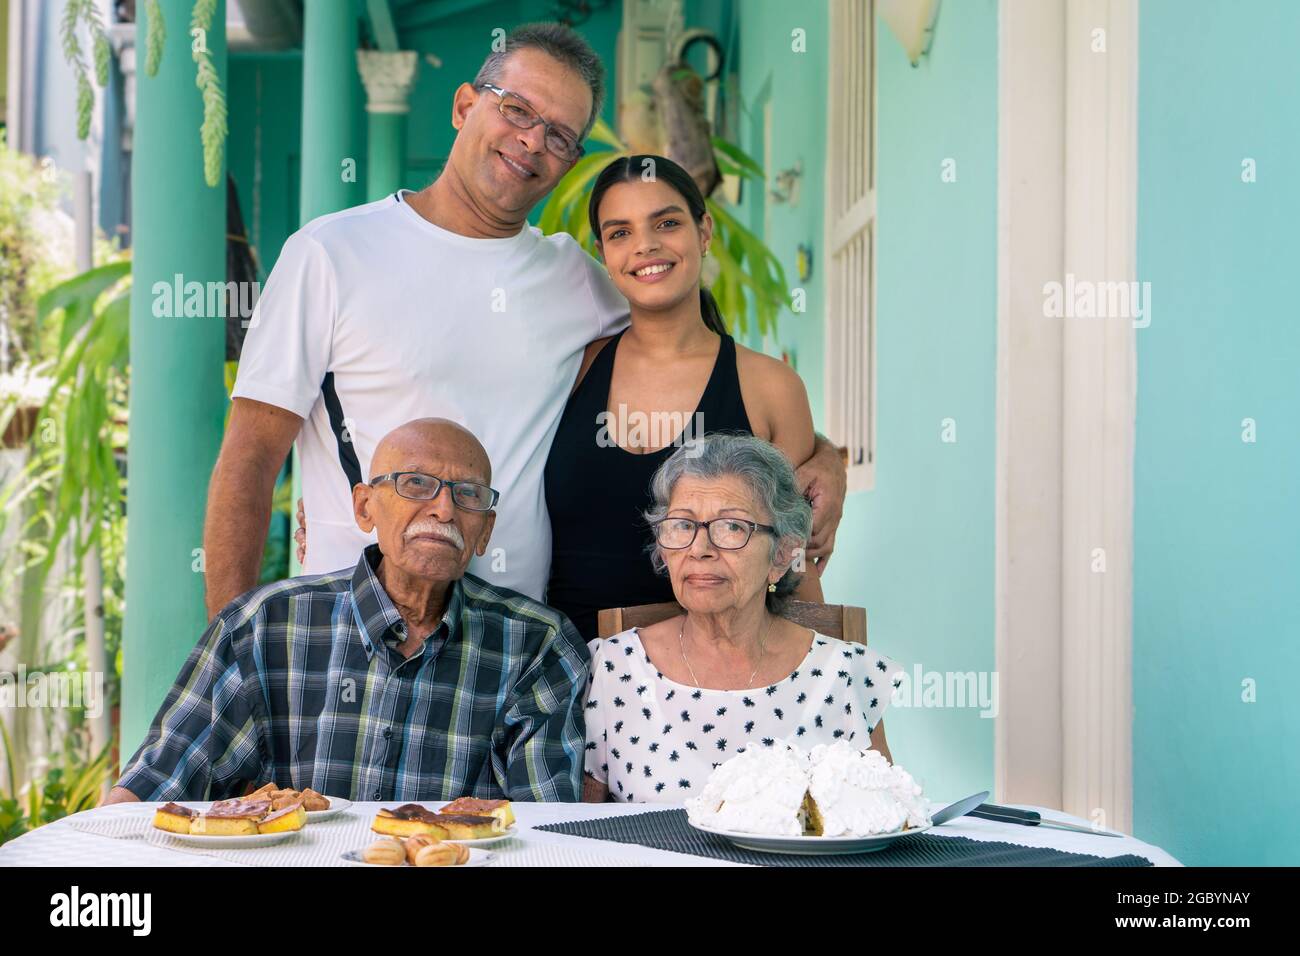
{"x":469,"y":495}
{"x":520,"y":113}
{"x":728,"y":534}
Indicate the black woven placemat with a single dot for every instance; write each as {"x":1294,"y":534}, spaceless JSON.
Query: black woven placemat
{"x":669,"y":830}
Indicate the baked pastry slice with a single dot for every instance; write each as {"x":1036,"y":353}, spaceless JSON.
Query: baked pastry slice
{"x":407,"y":820}
{"x":482,"y":808}
{"x":465,"y":826}
{"x":231,"y":818}
{"x":292,"y":817}
{"x":174,"y":818}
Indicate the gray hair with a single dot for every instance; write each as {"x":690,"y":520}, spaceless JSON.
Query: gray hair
{"x":560,"y":43}
{"x":769,"y":477}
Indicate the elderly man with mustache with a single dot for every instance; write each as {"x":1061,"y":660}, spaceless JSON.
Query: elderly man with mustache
{"x":403,"y":678}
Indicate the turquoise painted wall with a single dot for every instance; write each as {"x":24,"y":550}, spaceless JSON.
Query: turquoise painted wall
{"x":266,"y":108}
{"x":1217,"y":520}
{"x":790,"y":88}
{"x":918,"y":549}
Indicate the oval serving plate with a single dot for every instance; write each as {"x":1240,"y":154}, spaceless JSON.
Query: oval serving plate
{"x":476,"y":858}
{"x":337,"y":805}
{"x":242,"y":841}
{"x":488,"y":841}
{"x":811,"y":845}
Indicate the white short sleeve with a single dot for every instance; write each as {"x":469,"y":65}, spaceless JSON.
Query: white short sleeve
{"x":287,"y":351}
{"x":611,"y":309}
{"x":874,"y":677}
{"x":596,"y":759}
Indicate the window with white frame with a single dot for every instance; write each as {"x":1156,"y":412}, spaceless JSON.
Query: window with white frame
{"x":850,"y":372}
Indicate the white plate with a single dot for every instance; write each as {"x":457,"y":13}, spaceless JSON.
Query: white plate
{"x":488,"y":841}
{"x":476,"y":858}
{"x":811,"y":845}
{"x":337,"y":805}
{"x":247,"y":840}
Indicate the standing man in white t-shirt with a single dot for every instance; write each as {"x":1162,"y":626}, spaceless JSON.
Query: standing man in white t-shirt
{"x":442,"y":303}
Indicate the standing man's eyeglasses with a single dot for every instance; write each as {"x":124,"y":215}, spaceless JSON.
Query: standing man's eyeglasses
{"x":518,"y":111}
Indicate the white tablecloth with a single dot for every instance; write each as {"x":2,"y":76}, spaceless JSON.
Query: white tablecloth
{"x":63,"y":843}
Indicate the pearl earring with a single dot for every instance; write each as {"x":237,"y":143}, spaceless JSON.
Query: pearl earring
{"x":771,"y":587}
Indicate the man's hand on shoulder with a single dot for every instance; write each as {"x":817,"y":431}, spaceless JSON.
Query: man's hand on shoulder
{"x":823,"y":479}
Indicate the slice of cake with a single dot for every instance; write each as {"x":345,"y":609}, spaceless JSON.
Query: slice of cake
{"x":280,"y":821}
{"x":231,"y":818}
{"x":466,"y":826}
{"x":855,"y":792}
{"x":482,"y":808}
{"x":407,"y":820}
{"x":174,"y":818}
{"x":758,"y":791}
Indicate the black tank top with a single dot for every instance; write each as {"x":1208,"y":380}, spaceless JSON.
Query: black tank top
{"x":596,"y":493}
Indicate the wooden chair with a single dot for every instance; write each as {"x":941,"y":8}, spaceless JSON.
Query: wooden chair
{"x":842,"y":621}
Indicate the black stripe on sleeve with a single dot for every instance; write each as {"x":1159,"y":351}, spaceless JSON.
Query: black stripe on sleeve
{"x":347,"y":451}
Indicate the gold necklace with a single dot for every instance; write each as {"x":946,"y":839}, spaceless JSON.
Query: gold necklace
{"x":762,"y":650}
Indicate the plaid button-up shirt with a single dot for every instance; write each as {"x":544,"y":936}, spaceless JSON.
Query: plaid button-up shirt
{"x":299,"y":683}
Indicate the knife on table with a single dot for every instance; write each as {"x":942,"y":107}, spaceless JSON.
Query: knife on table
{"x":1030,"y":818}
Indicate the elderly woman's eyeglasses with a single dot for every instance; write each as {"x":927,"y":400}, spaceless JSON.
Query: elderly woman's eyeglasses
{"x":728,"y":534}
{"x":518,"y":111}
{"x":469,"y":495}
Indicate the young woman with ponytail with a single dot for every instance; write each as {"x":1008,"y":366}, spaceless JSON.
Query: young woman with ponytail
{"x":673,"y":374}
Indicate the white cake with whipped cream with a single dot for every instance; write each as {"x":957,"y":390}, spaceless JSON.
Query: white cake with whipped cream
{"x":858,"y":792}
{"x":836,"y":790}
{"x":760,"y":790}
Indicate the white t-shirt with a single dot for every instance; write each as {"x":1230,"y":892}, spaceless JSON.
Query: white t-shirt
{"x":653,"y":740}
{"x":374,"y":316}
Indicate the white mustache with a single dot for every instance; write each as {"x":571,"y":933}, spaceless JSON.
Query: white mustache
{"x":448,"y":532}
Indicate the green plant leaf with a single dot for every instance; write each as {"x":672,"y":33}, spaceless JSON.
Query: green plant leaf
{"x":76,"y":296}
{"x":738,"y":156}
{"x":602,"y":132}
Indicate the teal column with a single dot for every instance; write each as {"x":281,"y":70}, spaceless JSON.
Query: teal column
{"x":385,"y":153}
{"x":330,"y":173}
{"x":329,"y":161}
{"x":387,"y":77}
{"x":178,"y":397}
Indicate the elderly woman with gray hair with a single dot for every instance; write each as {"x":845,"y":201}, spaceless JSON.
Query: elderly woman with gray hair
{"x":669,"y":702}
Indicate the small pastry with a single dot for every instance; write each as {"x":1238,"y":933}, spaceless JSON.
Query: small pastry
{"x":173,"y":818}
{"x":387,"y":852}
{"x":263,"y":792}
{"x":439,"y":854}
{"x":482,"y":808}
{"x":414,"y":844}
{"x":311,"y":800}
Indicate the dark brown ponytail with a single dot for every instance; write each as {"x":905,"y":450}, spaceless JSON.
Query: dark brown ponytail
{"x":709,"y":309}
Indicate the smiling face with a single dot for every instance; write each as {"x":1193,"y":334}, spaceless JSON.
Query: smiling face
{"x":652,"y":247}
{"x":429,"y":539}
{"x":507,"y":169}
{"x":707,"y":579}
